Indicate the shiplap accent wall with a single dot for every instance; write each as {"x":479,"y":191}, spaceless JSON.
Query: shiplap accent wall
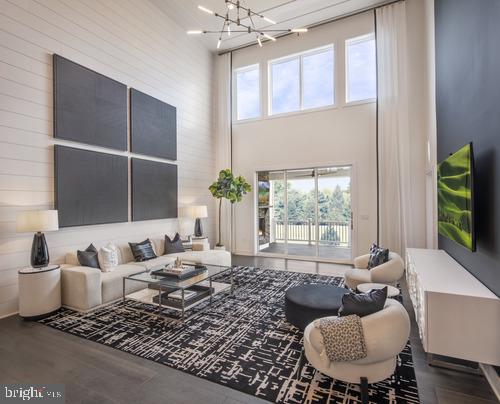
{"x":128,"y":40}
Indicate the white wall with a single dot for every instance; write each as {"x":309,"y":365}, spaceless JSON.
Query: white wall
{"x":422,"y":119}
{"x":332,"y":136}
{"x":130,"y":41}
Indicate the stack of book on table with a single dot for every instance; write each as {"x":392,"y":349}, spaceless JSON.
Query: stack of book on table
{"x":188,"y":294}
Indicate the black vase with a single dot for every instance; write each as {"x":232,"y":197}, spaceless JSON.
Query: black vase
{"x":198,"y":229}
{"x":39,"y":251}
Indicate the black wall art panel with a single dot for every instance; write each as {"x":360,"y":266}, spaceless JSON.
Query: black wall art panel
{"x":468,"y":110}
{"x":88,"y":107}
{"x":154,"y":190}
{"x":153,"y":126}
{"x":90,"y":187}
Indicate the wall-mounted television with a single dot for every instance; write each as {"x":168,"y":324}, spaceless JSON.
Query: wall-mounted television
{"x":455,"y":183}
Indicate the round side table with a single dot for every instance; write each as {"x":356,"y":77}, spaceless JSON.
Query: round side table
{"x":366,"y":287}
{"x":39,"y":291}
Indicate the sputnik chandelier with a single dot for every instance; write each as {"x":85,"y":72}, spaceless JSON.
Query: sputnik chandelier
{"x":232,"y":23}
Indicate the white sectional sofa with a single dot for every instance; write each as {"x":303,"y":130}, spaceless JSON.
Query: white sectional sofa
{"x":85,"y":288}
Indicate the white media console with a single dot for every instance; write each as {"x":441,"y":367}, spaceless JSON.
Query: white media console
{"x":456,"y":314}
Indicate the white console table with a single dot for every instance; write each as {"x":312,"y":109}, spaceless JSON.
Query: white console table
{"x":456,"y":314}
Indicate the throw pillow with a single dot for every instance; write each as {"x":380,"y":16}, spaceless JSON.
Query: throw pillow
{"x":363,"y":304}
{"x":88,"y":257}
{"x":109,"y":257}
{"x":378,"y":256}
{"x":173,"y":245}
{"x":142,"y":251}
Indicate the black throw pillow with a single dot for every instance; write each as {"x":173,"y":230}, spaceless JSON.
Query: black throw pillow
{"x":378,"y":256}
{"x":363,"y":304}
{"x":174,"y":245}
{"x":142,"y":251}
{"x":88,"y":258}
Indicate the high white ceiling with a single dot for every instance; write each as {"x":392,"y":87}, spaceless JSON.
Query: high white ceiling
{"x":287,"y":14}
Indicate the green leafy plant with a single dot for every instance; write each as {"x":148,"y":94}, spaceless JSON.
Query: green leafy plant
{"x":228,"y":187}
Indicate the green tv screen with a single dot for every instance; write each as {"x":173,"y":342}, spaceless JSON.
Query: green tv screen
{"x":456,"y":197}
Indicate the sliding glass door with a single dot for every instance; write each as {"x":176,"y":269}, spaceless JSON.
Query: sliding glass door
{"x":301,"y":213}
{"x":334,"y":213}
{"x":305,"y":213}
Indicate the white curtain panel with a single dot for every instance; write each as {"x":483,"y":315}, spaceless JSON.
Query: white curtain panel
{"x":393,"y":130}
{"x":223,"y":136}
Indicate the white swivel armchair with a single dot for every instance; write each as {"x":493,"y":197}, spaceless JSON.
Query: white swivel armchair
{"x":386,"y":333}
{"x":388,"y":273}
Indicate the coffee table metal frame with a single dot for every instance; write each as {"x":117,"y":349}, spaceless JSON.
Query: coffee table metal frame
{"x":162,"y":283}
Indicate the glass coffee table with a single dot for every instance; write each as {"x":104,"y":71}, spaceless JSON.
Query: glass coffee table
{"x":179,"y":295}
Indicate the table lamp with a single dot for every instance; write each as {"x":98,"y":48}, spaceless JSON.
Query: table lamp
{"x":198,"y":213}
{"x":38,"y":221}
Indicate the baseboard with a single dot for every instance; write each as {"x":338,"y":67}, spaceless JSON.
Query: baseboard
{"x":9,"y":315}
{"x":245,"y":253}
{"x":491,"y":375}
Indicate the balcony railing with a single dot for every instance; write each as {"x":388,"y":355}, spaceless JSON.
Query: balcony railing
{"x":332,"y":233}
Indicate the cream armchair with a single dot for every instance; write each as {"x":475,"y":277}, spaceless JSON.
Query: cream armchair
{"x":386,"y":333}
{"x":388,"y":273}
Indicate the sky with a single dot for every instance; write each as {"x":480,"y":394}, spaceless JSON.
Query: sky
{"x":362,"y":71}
{"x":247,"y":99}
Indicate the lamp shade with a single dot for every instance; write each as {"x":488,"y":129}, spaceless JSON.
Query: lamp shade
{"x":196,"y":212}
{"x":37,"y":220}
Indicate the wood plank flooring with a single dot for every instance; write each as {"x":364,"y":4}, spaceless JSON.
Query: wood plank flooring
{"x":93,"y":373}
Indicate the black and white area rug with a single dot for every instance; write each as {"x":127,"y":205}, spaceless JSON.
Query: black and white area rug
{"x":241,"y":341}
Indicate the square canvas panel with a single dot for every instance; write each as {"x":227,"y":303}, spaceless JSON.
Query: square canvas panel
{"x":90,"y":187}
{"x":153,"y":126}
{"x":154,"y":190}
{"x":88,"y":107}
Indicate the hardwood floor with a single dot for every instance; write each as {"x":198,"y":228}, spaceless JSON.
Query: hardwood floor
{"x":93,"y":373}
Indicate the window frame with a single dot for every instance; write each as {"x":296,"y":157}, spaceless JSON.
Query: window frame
{"x":356,"y":40}
{"x":299,"y":56}
{"x":235,"y":72}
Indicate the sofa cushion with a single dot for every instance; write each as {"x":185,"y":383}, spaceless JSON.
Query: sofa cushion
{"x":378,"y":256}
{"x":173,"y":245}
{"x":88,"y":257}
{"x":363,"y":304}
{"x":109,"y":257}
{"x":142,"y":251}
{"x":112,"y":282}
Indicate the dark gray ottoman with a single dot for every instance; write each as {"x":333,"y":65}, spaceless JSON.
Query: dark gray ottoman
{"x":306,"y":303}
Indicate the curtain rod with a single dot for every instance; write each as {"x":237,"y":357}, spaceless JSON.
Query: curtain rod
{"x":319,"y":24}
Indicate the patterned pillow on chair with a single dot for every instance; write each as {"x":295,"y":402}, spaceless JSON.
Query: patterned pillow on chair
{"x":378,"y":256}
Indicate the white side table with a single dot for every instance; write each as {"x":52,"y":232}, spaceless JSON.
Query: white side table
{"x":200,"y":244}
{"x":39,"y":291}
{"x":366,"y":287}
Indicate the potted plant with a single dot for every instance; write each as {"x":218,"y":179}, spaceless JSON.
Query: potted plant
{"x":231,"y":188}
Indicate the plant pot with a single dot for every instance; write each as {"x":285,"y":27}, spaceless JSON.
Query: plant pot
{"x":219,"y":247}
